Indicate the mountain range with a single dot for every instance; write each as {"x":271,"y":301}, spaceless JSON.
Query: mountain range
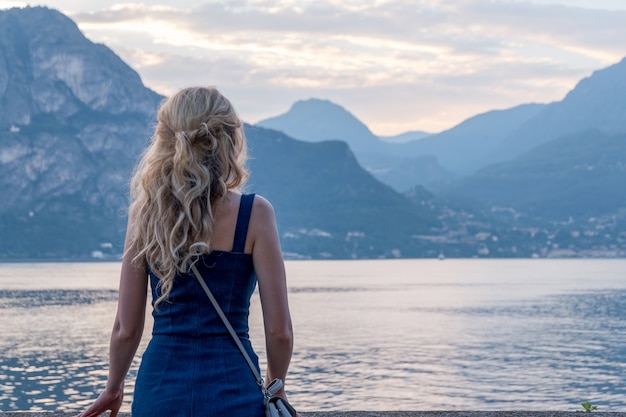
{"x":540,"y":179}
{"x":577,"y":176}
{"x":597,"y":102}
{"x":506,"y":157}
{"x":74,"y":118}
{"x":532,"y":180}
{"x":316,"y":120}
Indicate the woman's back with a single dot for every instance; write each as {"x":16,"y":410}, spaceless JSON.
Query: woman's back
{"x":199,"y":369}
{"x":228,"y":273}
{"x":185,"y":210}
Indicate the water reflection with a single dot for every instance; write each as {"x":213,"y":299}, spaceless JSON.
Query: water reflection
{"x":37,"y":298}
{"x":54,"y":348}
{"x":402,"y":343}
{"x":325,"y":289}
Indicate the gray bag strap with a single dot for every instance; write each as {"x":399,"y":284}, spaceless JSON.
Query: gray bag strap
{"x":232,"y":332}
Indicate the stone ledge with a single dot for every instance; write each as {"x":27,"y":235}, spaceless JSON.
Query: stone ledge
{"x":388,"y":414}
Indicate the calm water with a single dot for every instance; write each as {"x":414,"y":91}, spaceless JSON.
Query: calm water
{"x":370,"y":335}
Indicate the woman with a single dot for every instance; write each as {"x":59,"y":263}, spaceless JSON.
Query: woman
{"x":186,"y":210}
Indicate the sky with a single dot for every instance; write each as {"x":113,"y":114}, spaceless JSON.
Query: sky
{"x":396,"y":65}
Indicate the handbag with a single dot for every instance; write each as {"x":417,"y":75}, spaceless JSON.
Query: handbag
{"x":274,"y":406}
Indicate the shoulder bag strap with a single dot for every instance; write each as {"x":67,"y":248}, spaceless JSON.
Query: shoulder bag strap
{"x":232,"y":332}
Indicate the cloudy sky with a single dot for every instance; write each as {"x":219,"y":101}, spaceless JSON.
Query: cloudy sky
{"x":397,"y":65}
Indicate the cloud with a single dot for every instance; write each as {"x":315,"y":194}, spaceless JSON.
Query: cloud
{"x":595,"y":34}
{"x":476,"y":54}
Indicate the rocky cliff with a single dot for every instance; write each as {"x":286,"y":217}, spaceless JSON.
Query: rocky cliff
{"x":73,"y":118}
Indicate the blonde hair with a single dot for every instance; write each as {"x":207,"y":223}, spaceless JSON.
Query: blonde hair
{"x":197,"y":154}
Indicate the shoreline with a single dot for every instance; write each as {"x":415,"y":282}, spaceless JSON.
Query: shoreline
{"x":382,"y":414}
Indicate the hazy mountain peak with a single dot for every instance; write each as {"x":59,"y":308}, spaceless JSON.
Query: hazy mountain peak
{"x":597,"y":102}
{"x":609,"y":80}
{"x":315,"y":119}
{"x":319,"y":106}
{"x":599,"y":99}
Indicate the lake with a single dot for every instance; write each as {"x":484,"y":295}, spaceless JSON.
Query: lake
{"x":477,"y":334}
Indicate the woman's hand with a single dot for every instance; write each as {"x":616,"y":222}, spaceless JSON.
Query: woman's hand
{"x":108,"y":400}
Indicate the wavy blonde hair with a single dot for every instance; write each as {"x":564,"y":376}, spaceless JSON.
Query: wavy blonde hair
{"x":197,"y":153}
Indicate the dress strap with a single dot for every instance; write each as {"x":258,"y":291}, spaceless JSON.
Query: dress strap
{"x":243,"y":220}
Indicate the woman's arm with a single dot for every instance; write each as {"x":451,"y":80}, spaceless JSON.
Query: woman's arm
{"x":270,"y":271}
{"x":126,"y":334}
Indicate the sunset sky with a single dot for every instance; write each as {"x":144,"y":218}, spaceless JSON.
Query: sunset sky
{"x":396,"y":65}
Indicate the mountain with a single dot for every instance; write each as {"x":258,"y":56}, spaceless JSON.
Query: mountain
{"x":405,"y":137}
{"x":577,"y":176}
{"x":74,"y":119}
{"x":404,"y":173}
{"x":597,"y":102}
{"x":47,"y":67}
{"x":314,"y":120}
{"x":566,"y":162}
{"x":465,"y":147}
{"x":327,"y":205}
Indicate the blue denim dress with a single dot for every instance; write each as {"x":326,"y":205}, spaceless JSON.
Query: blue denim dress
{"x":191,"y":366}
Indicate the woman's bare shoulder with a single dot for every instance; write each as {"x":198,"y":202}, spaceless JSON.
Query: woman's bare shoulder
{"x":262,"y":207}
{"x":262,"y":226}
